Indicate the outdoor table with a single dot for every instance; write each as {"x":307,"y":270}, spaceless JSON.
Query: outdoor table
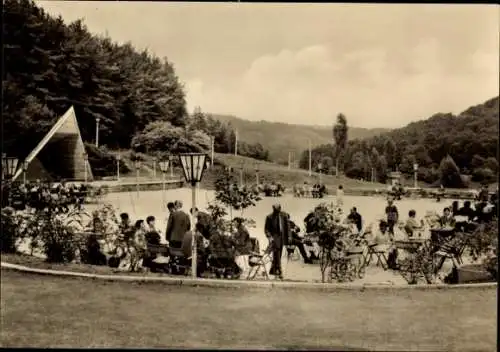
{"x":441,"y":233}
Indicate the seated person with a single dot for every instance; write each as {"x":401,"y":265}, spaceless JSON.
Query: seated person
{"x":222,"y":252}
{"x":125,"y":226}
{"x":152,"y":235}
{"x":467,"y":211}
{"x":380,"y":236}
{"x":241,"y":237}
{"x":447,"y":220}
{"x":412,"y":224}
{"x":297,"y":241}
{"x":356,"y":218}
{"x":138,"y":245}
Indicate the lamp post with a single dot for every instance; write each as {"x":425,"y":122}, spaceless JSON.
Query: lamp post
{"x":320,"y":167}
{"x":257,"y":174}
{"x":170,"y":160}
{"x":193,"y":165}
{"x":97,"y":119}
{"x":154,"y":167}
{"x":415,"y":170}
{"x":25,"y":169}
{"x":212,"y":150}
{"x":164,"y":168}
{"x":241,"y":175}
{"x":118,"y":158}
{"x":137,"y":169}
{"x":85,"y":161}
{"x":310,"y":158}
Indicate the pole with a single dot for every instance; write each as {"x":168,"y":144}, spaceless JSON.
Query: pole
{"x":212,"y":147}
{"x":163,"y":189}
{"x":194,"y":260}
{"x":241,"y":177}
{"x":137,"y":180}
{"x":97,"y":133}
{"x":310,"y":159}
{"x":171,"y":168}
{"x":416,"y":182}
{"x":236,"y":143}
{"x":118,"y":169}
{"x":289,"y":160}
{"x":257,"y":177}
{"x":86,"y":162}
{"x":25,"y":168}
{"x":154,"y":169}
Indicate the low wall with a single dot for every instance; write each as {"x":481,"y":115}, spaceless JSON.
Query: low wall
{"x":143,"y":186}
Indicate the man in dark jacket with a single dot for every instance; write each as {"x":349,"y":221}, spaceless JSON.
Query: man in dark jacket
{"x":391,"y":211}
{"x":178,"y":224}
{"x":277,"y":231}
{"x":356,"y":218}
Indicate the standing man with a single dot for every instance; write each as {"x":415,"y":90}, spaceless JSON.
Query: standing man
{"x":277,"y":231}
{"x":178,"y":224}
{"x":391,"y":211}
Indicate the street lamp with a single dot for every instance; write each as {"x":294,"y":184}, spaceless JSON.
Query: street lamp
{"x":241,"y":175}
{"x":257,"y":173}
{"x":164,"y":168}
{"x":415,"y":170}
{"x":320,"y":167}
{"x":154,"y":167}
{"x":137,"y":169}
{"x":97,"y":119}
{"x":85,"y":161}
{"x":171,"y":161}
{"x":118,"y":158}
{"x":9,"y":166}
{"x":25,"y":169}
{"x":193,"y":165}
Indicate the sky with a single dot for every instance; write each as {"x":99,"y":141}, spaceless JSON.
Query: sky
{"x":380,"y":65}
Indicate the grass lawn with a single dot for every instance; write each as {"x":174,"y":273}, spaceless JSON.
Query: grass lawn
{"x":42,"y":311}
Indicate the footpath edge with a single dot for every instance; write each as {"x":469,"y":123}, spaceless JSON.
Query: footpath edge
{"x":239,"y":284}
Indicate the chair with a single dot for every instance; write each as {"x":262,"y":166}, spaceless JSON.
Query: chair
{"x":257,"y":262}
{"x":451,"y":250}
{"x":292,"y":252}
{"x":378,"y":251}
{"x":179,"y":264}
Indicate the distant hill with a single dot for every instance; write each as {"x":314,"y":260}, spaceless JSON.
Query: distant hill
{"x":280,"y":138}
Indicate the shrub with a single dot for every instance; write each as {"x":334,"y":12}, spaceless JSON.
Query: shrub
{"x":9,"y":232}
{"x":103,"y":163}
{"x":483,"y":174}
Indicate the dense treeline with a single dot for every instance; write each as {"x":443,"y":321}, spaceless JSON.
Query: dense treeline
{"x":464,"y":145}
{"x":50,"y":65}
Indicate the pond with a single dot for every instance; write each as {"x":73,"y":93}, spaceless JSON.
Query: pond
{"x":371,"y":208}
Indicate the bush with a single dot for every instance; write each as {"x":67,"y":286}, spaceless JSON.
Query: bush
{"x":9,"y":233}
{"x":103,"y":163}
{"x":483,"y":174}
{"x":450,"y":174}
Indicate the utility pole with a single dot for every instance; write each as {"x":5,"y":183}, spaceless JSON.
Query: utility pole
{"x":310,"y":158}
{"x":236,"y":142}
{"x":212,"y":147}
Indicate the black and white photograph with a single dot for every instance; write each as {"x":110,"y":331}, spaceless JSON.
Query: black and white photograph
{"x":238,"y":175}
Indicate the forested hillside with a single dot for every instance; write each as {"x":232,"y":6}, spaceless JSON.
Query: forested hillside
{"x":444,"y":144}
{"x":280,"y":138}
{"x":51,"y":65}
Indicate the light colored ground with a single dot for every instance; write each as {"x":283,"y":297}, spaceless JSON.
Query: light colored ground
{"x":42,"y":311}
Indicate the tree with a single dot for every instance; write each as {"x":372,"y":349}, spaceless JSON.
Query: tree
{"x":340,"y":135}
{"x":450,"y":173}
{"x":390,"y":153}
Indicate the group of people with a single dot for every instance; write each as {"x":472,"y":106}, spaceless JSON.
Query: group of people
{"x":317,"y":190}
{"x":39,"y":195}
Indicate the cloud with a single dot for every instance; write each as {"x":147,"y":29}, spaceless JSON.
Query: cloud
{"x":373,"y":87}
